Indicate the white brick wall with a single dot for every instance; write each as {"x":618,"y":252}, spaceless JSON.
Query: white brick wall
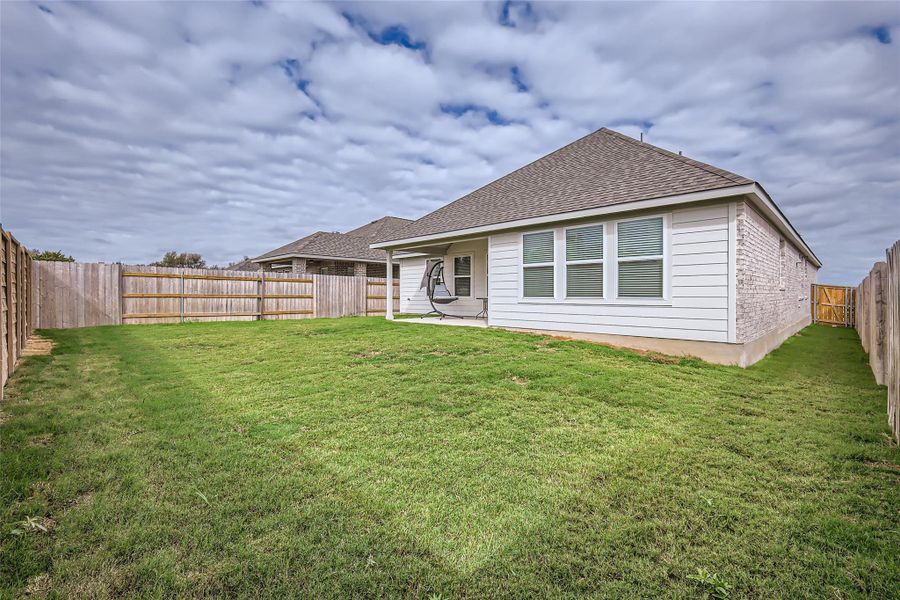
{"x":773,"y":277}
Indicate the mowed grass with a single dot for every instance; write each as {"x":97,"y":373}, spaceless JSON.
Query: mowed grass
{"x":360,"y":458}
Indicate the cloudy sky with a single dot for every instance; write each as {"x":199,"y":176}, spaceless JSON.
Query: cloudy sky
{"x":230,"y":129}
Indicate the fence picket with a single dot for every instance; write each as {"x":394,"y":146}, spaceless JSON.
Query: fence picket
{"x":878,"y":324}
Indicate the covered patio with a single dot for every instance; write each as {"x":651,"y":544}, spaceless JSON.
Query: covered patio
{"x":446,"y":283}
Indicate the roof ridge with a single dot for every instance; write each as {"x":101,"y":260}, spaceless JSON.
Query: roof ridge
{"x":724,"y":174}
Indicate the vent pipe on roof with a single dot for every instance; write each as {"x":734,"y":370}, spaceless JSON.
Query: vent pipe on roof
{"x":642,"y":136}
{"x":679,"y":153}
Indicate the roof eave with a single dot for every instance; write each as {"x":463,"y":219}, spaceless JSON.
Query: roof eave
{"x":765,"y":202}
{"x":262,"y":259}
{"x":753,"y":190}
{"x":724,"y":192}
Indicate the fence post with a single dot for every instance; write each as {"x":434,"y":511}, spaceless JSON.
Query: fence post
{"x":20,"y":295}
{"x":10,"y":342}
{"x":815,"y":295}
{"x":261,"y":293}
{"x":181,"y":303}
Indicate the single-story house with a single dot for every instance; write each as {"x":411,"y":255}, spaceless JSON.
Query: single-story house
{"x":334,"y":253}
{"x":618,"y":241}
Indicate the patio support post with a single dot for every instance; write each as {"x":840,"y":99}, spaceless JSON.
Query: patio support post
{"x":389,"y":286}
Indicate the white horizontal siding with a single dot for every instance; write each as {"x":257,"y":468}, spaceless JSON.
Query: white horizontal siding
{"x":697,"y":308}
{"x":413,"y":299}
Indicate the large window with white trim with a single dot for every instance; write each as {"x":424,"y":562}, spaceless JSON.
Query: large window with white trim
{"x":462,"y":275}
{"x":537,"y":265}
{"x":640,"y":258}
{"x":584,"y":262}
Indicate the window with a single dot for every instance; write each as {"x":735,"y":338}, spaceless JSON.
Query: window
{"x":640,"y":258}
{"x":584,"y":262}
{"x":537,"y":265}
{"x":462,"y":275}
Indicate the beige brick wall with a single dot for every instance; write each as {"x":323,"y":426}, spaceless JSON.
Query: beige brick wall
{"x":773,"y":277}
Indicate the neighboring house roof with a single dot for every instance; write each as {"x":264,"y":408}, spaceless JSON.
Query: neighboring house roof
{"x":245,"y":265}
{"x":376,"y":229}
{"x":352,"y":245}
{"x":603,"y":168}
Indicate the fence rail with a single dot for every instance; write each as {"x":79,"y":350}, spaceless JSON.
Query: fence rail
{"x":87,"y":294}
{"x":15,"y":307}
{"x":878,"y":324}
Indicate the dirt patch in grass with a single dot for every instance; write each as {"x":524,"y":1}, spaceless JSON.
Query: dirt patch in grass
{"x":38,"y":346}
{"x":39,"y":585}
{"x":81,"y":499}
{"x":40,"y":441}
{"x":662,"y":359}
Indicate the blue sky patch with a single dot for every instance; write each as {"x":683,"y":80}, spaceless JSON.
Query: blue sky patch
{"x":517,"y":79}
{"x":290,"y":66}
{"x":458,"y":110}
{"x":882,"y":33}
{"x":516,"y":14}
{"x":397,"y":34}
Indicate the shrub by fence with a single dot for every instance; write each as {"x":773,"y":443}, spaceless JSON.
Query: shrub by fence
{"x":87,"y":294}
{"x":878,"y":324}
{"x":15,"y":289}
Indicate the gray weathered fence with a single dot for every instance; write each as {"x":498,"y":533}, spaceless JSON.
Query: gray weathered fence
{"x":87,"y":294}
{"x":15,"y":287}
{"x":878,"y":324}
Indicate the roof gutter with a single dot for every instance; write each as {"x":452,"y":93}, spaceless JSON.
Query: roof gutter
{"x":753,"y":190}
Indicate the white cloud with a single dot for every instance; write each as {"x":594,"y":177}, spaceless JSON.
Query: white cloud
{"x":229,"y":129}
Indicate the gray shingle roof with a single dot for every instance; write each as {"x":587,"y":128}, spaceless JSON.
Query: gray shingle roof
{"x":376,"y":229}
{"x":353,"y":245}
{"x":245,"y":265}
{"x":603,"y":168}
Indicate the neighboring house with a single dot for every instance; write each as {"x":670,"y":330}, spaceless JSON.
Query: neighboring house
{"x":245,"y":265}
{"x":618,"y":241}
{"x":333,"y":253}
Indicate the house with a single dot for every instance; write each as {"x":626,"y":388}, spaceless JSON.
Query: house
{"x":618,"y":241}
{"x":333,"y":253}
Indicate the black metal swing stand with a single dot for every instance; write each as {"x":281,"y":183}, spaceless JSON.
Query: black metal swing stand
{"x":438,"y":292}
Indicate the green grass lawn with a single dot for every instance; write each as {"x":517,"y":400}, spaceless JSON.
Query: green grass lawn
{"x":359,"y":458}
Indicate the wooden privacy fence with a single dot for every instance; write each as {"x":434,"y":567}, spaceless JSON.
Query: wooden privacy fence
{"x":376,"y":296}
{"x":163,"y":296}
{"x":878,"y":324}
{"x":16,"y":288}
{"x":87,"y":294}
{"x":833,"y":304}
